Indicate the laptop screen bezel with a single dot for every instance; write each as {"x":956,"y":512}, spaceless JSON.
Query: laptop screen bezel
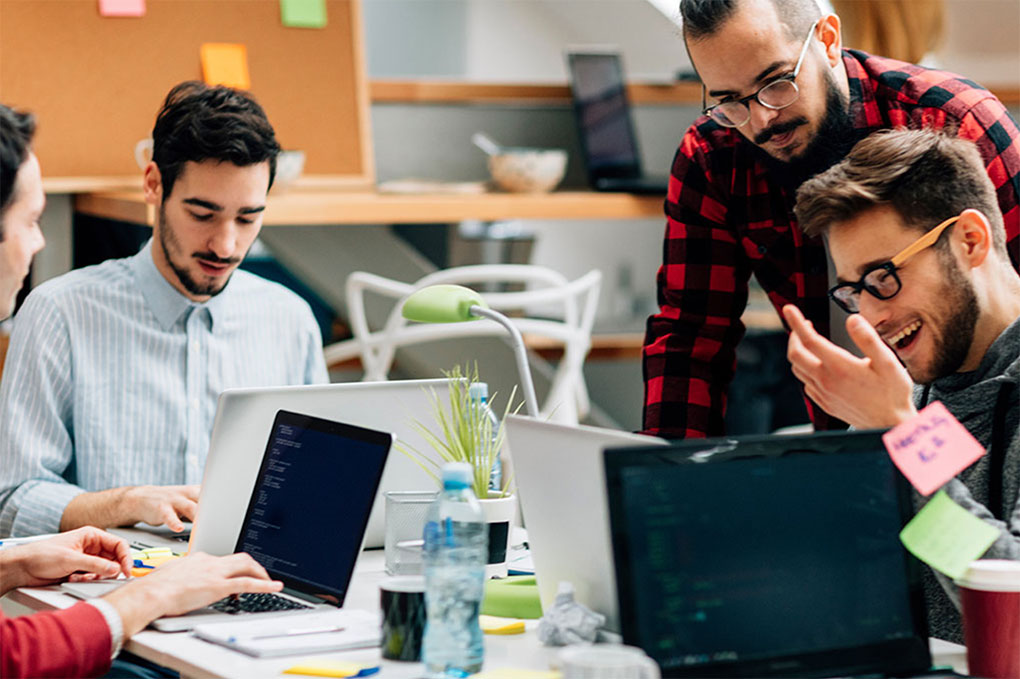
{"x":630,"y":170}
{"x":296,"y":586}
{"x":899,"y":657}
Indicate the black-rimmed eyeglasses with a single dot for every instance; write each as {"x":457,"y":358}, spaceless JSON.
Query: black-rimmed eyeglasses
{"x":776,"y":94}
{"x":882,"y":281}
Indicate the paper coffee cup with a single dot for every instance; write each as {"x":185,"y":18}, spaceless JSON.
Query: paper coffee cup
{"x":990,"y":599}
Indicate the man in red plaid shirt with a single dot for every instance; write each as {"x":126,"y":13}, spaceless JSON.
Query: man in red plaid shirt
{"x":785,"y":102}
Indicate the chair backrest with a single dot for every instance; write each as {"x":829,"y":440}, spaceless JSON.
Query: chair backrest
{"x":571,"y":303}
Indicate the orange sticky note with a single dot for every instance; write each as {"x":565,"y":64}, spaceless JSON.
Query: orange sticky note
{"x":931,"y":448}
{"x":225,"y":64}
{"x":122,"y":8}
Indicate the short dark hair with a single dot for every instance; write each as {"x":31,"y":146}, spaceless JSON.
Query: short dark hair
{"x":925,"y":176}
{"x":199,"y":122}
{"x":16,"y":130}
{"x":702,"y":18}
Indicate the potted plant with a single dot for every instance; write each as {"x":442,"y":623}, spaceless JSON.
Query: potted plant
{"x":463,"y":432}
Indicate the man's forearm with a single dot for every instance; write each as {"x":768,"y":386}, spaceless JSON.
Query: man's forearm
{"x":12,"y":575}
{"x":102,"y":509}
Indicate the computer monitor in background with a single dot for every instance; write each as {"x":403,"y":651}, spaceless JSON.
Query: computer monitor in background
{"x":603,"y":116}
{"x":767,"y":556}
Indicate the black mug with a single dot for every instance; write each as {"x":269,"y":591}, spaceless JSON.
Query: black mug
{"x":403,"y":617}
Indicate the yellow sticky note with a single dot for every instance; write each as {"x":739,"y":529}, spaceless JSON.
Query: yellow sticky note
{"x":225,"y":64}
{"x":491,"y":624}
{"x":946,"y":536}
{"x":326,"y":668}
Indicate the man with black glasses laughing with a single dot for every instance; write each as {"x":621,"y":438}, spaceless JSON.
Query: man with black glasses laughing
{"x":783,"y":102}
{"x":917,"y":240}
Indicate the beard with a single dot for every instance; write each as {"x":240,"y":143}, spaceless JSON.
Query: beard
{"x":833,"y":140}
{"x":172,"y":247}
{"x":958,"y":322}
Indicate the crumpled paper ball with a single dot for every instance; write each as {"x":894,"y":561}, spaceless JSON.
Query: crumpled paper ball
{"x":568,"y":622}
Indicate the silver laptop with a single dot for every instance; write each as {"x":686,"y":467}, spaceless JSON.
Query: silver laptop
{"x":561,"y":484}
{"x":242,"y":425}
{"x":304,"y":519}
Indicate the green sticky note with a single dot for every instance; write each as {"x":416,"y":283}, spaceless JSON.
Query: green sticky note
{"x":946,"y":536}
{"x":303,"y":13}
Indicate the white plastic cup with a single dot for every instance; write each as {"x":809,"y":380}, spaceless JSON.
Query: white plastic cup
{"x":607,"y":661}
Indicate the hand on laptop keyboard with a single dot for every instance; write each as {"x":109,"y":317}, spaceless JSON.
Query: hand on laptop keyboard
{"x":256,"y":603}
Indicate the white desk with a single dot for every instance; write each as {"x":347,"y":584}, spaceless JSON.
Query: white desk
{"x":195,"y":658}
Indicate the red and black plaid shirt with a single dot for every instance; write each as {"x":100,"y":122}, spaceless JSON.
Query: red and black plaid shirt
{"x":727,"y":220}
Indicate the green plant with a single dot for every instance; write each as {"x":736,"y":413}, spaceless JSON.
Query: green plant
{"x":464,"y":433}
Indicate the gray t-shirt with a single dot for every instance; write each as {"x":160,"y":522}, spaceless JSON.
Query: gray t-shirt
{"x":985,"y":401}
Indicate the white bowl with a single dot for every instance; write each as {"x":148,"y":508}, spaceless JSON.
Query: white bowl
{"x":528,"y":170}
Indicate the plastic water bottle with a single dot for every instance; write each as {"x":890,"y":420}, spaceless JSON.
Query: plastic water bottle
{"x":478,"y":392}
{"x":456,"y":549}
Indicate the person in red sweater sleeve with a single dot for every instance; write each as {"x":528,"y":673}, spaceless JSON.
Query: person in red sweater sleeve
{"x":81,"y":641}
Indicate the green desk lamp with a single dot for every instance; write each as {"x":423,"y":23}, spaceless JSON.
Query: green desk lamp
{"x":455,"y":303}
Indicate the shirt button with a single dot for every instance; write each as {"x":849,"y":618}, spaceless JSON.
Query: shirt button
{"x":194,"y":403}
{"x":192,"y":459}
{"x":194,"y":345}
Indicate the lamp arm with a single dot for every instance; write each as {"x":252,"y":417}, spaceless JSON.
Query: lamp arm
{"x":527,"y":386}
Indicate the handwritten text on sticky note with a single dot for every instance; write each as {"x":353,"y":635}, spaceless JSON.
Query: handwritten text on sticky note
{"x":122,"y":8}
{"x":946,"y":536}
{"x":225,"y":64}
{"x":931,"y":448}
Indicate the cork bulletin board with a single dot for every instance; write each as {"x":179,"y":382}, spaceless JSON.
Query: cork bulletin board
{"x":96,"y":83}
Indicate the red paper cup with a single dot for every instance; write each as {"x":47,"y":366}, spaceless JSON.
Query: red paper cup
{"x":990,"y":598}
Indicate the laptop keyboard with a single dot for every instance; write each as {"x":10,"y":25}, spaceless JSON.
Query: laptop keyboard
{"x":256,"y":603}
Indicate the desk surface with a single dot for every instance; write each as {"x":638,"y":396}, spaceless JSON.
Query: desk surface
{"x":316,"y":206}
{"x":195,"y":658}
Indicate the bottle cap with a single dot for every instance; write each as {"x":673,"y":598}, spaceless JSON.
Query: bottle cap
{"x":478,"y":391}
{"x":457,"y":475}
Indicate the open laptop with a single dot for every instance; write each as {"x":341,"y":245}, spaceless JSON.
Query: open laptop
{"x":603,"y":116}
{"x":242,"y":424}
{"x":304,"y":519}
{"x":558,"y":471}
{"x":767,"y":556}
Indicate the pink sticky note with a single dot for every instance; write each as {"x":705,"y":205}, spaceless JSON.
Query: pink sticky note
{"x":931,"y":448}
{"x":122,"y":8}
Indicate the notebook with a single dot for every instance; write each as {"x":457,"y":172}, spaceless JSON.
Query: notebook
{"x":304,"y":520}
{"x":767,"y":556}
{"x":603,"y":117}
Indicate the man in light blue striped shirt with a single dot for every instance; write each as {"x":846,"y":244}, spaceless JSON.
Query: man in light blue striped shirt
{"x":113,"y":371}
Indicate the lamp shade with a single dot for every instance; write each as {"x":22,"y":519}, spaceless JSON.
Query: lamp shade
{"x":442,"y":304}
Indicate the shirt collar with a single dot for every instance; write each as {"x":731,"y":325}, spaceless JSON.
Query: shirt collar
{"x":166,"y":303}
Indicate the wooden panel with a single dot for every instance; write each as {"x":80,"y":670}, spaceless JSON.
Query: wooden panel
{"x":324,"y":207}
{"x":96,"y":83}
{"x":438,"y":91}
{"x":449,"y":92}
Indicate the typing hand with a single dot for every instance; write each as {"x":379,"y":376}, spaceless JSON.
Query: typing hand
{"x":160,"y":505}
{"x":83,"y":554}
{"x":870,"y":392}
{"x":188,"y":583}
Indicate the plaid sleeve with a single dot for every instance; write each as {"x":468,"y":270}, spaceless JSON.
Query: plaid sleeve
{"x":989,"y":125}
{"x":690,"y":345}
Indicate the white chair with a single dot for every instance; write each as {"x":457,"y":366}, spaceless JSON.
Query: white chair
{"x":574,"y":302}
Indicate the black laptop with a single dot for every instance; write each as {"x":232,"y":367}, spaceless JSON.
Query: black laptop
{"x":767,"y":556}
{"x":604,"y":123}
{"x":306,"y":517}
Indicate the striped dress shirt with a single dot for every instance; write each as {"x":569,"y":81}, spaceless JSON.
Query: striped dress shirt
{"x":112,"y":378}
